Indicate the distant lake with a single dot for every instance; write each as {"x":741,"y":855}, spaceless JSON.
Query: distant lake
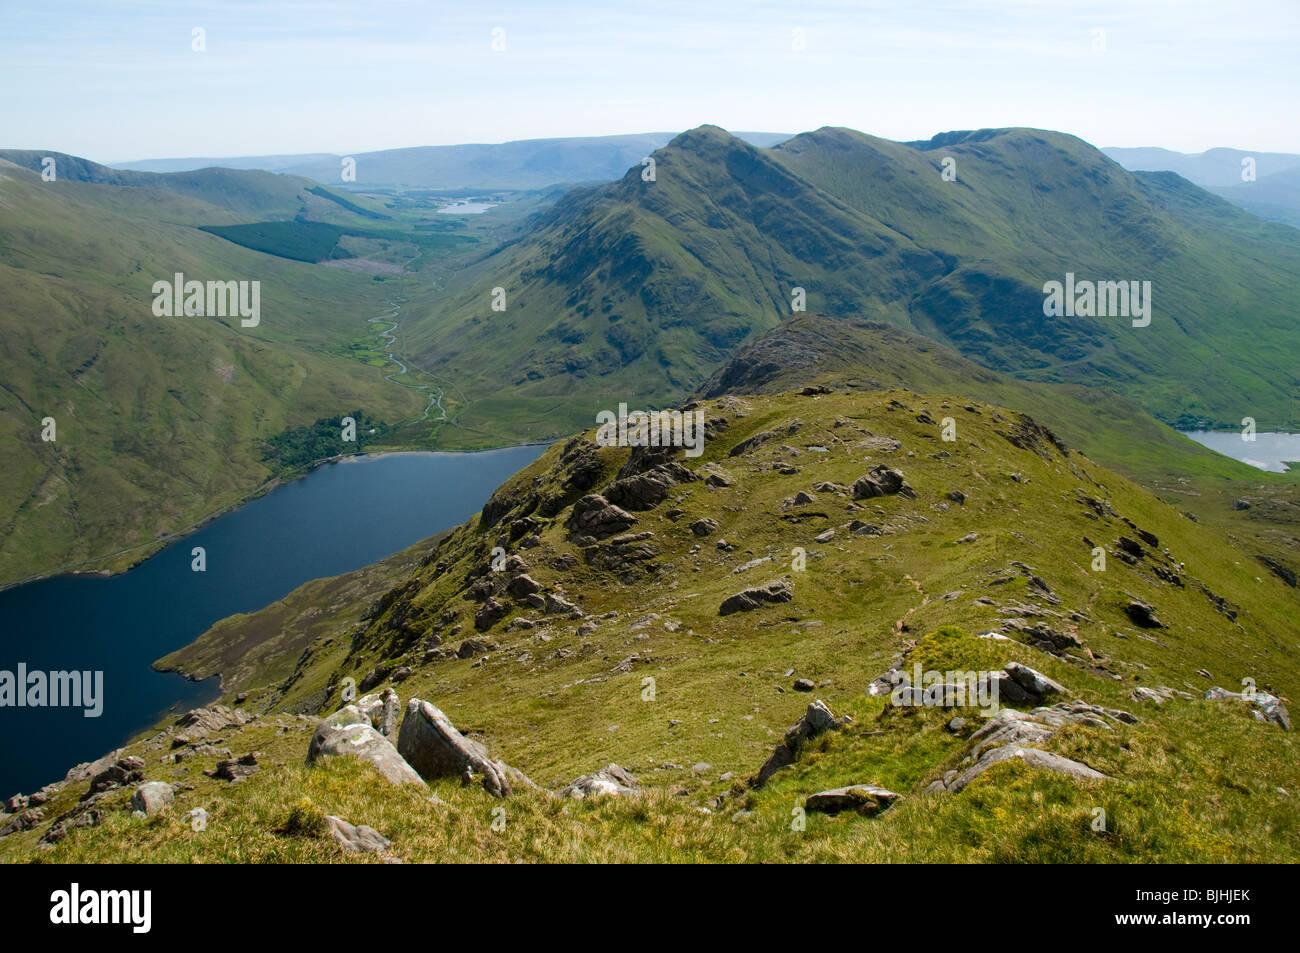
{"x":1268,"y":451}
{"x":340,"y":517}
{"x":467,"y":208}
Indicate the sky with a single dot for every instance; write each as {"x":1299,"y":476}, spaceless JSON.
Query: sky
{"x":118,"y":80}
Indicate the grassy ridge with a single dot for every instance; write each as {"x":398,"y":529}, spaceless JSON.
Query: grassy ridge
{"x":1193,"y":780}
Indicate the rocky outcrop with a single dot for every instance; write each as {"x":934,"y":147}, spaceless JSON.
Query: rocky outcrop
{"x":1264,"y":707}
{"x":881,"y":481}
{"x":1034,"y":757}
{"x":778,"y":590}
{"x":235,"y":769}
{"x":1016,"y":734}
{"x":609,"y":781}
{"x":348,"y":732}
{"x":432,"y":746}
{"x":865,"y":799}
{"x":1143,"y":615}
{"x":817,"y":720}
{"x":200,"y":722}
{"x":129,"y":770}
{"x":643,"y":491}
{"x":597,"y":517}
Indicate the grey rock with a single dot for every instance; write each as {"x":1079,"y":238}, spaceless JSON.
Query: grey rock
{"x":235,"y":769}
{"x":152,"y":797}
{"x":129,"y":770}
{"x":383,"y":710}
{"x":348,"y":732}
{"x":1035,"y":758}
{"x":595,"y":516}
{"x":803,"y":685}
{"x":609,"y":781}
{"x":865,"y":799}
{"x":432,"y":746}
{"x":778,"y":590}
{"x":472,"y":648}
{"x":1143,"y":615}
{"x":817,"y":720}
{"x":1267,"y":708}
{"x":881,"y":481}
{"x":1034,"y":682}
{"x":704,"y":526}
{"x":353,"y":838}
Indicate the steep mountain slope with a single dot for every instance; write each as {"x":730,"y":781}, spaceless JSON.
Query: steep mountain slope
{"x":159,"y":421}
{"x":606,"y":635}
{"x":637,"y":290}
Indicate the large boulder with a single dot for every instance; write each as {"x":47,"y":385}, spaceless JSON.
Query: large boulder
{"x":609,"y":781}
{"x":128,"y":770}
{"x":152,"y":797}
{"x":432,"y":746}
{"x":1034,"y":682}
{"x":865,"y":799}
{"x":778,"y":590}
{"x":199,"y":722}
{"x":1143,"y":614}
{"x":881,"y":481}
{"x":348,"y":732}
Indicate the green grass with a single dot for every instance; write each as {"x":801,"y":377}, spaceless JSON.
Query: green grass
{"x":1194,"y":781}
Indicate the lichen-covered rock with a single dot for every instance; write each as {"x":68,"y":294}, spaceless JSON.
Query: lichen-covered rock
{"x":349,"y":733}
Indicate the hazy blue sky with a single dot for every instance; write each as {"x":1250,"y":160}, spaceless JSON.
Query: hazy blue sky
{"x":118,"y":79}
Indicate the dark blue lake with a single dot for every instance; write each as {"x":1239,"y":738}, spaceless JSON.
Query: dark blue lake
{"x":338,"y":518}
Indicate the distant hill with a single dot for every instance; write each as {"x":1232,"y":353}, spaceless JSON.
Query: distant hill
{"x":639,"y":290}
{"x":249,"y":191}
{"x":522,"y":164}
{"x":1274,"y":194}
